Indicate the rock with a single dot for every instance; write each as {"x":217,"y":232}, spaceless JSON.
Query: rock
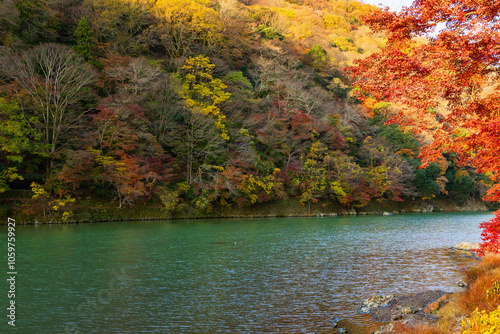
{"x":342,"y":331}
{"x":406,"y":310}
{"x":374,"y":302}
{"x":408,"y":307}
{"x":388,"y":328}
{"x":336,"y":321}
{"x":467,"y":246}
{"x":462,"y":284}
{"x":387,"y":213}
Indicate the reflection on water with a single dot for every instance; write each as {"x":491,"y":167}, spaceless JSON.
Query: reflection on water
{"x":292,"y":275}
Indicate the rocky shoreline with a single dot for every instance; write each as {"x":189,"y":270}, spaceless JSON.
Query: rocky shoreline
{"x":413,"y":310}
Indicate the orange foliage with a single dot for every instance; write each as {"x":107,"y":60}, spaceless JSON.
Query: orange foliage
{"x":400,"y":327}
{"x":456,"y":66}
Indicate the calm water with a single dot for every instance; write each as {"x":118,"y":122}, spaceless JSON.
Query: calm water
{"x":291,"y":275}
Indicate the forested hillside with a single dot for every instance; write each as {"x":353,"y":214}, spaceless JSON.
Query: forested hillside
{"x":201,"y":104}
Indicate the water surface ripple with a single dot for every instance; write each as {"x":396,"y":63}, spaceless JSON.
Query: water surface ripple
{"x":290,"y":275}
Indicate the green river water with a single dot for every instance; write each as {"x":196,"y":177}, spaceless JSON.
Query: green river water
{"x":287,"y":275}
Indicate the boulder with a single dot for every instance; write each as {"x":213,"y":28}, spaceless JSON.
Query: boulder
{"x":374,"y":302}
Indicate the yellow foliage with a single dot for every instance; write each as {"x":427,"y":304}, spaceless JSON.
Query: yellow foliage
{"x":338,"y":190}
{"x":57,"y":203}
{"x":482,"y":323}
{"x":494,"y":292}
{"x":202,"y":92}
{"x":250,"y":184}
{"x":180,"y":22}
{"x":286,"y":11}
{"x":104,"y":160}
{"x":9,"y":174}
{"x":169,"y":198}
{"x":38,"y":191}
{"x":333,"y":21}
{"x":344,"y":44}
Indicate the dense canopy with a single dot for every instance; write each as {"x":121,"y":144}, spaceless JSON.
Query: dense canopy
{"x":447,"y":86}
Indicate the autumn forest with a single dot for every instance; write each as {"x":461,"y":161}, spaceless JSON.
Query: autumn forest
{"x":200,"y":104}
{"x":162,"y":109}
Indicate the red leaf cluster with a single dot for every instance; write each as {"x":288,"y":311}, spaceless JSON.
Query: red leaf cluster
{"x":445,"y":86}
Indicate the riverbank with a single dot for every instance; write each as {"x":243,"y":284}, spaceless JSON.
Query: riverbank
{"x":88,"y":212}
{"x":474,"y":310}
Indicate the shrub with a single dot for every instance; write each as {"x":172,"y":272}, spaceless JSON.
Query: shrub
{"x":269,"y":32}
{"x":482,"y":322}
{"x":400,"y":327}
{"x":484,"y":281}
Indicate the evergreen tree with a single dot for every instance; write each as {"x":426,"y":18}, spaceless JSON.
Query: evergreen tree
{"x":85,"y":45}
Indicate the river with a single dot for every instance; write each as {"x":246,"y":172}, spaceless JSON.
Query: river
{"x":284,"y":275}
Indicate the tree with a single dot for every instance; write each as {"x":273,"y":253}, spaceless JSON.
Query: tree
{"x":17,"y":139}
{"x":121,"y":22}
{"x":458,"y":66}
{"x":35,"y":22}
{"x":53,"y":77}
{"x":113,"y":157}
{"x":312,"y":179}
{"x":318,"y":57}
{"x":202,"y":94}
{"x":85,"y":43}
{"x":180,"y":25}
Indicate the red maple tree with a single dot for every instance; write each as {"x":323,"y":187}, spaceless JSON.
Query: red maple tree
{"x":444,"y":82}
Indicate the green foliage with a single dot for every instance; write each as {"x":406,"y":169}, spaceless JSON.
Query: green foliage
{"x":85,"y":41}
{"x":318,"y":56}
{"x":425,"y":180}
{"x":36,"y":25}
{"x":17,"y":138}
{"x":400,"y":140}
{"x":238,"y":79}
{"x":269,"y":32}
{"x":461,"y":184}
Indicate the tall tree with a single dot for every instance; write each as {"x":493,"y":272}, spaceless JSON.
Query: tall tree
{"x":458,"y":66}
{"x":53,"y":78}
{"x":202,"y":95}
{"x":85,"y":42}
